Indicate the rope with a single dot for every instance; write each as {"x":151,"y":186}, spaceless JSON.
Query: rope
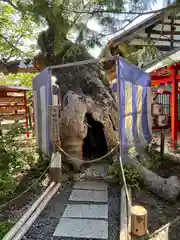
{"x":83,"y":161}
{"x":99,"y":159}
{"x":36,"y":181}
{"x":125,"y":183}
{"x":154,"y":234}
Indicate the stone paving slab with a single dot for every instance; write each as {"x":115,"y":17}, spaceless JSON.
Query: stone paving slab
{"x":91,"y":185}
{"x":86,"y":211}
{"x":88,"y":196}
{"x":82,"y":228}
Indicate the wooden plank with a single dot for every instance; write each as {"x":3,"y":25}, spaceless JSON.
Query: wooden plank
{"x":9,"y":107}
{"x":164,"y":32}
{"x":10,"y":100}
{"x":159,"y":47}
{"x":160,"y":39}
{"x":13,"y":117}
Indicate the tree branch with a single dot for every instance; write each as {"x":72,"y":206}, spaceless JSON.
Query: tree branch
{"x":11,"y":44}
{"x":11,"y":4}
{"x":120,"y":29}
{"x":116,"y":10}
{"x":13,"y":48}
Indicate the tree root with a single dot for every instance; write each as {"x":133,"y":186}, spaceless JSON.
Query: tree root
{"x":166,"y":188}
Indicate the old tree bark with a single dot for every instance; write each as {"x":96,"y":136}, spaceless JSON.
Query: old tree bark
{"x":87,"y":97}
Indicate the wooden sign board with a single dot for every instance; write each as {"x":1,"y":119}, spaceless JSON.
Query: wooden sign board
{"x":11,"y":100}
{"x":54,"y":115}
{"x":161,"y":72}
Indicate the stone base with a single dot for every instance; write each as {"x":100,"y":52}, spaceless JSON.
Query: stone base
{"x":55,"y":174}
{"x":55,"y":170}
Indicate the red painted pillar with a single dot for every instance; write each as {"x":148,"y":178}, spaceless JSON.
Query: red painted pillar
{"x":174,"y":108}
{"x":26,"y":112}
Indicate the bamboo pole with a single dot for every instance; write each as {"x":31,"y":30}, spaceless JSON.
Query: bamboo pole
{"x":24,"y":218}
{"x":123,"y":216}
{"x":36,"y":213}
{"x":78,"y":63}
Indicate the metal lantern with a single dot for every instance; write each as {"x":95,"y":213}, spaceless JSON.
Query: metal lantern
{"x":162,"y":120}
{"x":157,"y":109}
{"x":154,"y":121}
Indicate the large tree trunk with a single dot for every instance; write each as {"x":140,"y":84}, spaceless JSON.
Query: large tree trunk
{"x":87,"y":101}
{"x":89,"y":116}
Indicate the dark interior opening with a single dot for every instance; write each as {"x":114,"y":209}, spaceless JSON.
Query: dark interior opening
{"x":95,"y":143}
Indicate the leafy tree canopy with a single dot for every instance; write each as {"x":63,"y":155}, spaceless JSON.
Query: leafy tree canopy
{"x":65,"y":19}
{"x":16,"y":31}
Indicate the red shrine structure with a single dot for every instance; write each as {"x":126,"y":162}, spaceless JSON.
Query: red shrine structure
{"x":169,"y":79}
{"x":14,"y":104}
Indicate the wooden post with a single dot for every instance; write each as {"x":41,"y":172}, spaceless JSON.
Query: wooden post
{"x":1,"y":126}
{"x":26,"y":113}
{"x":138,"y":221}
{"x":55,"y":169}
{"x":30,"y":117}
{"x":162,"y":143}
{"x":174,"y":108}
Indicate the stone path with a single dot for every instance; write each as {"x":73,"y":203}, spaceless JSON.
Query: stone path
{"x":86,"y":214}
{"x":82,"y":211}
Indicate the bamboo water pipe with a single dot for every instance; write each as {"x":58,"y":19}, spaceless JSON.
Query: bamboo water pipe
{"x":36,"y":213}
{"x":24,"y":218}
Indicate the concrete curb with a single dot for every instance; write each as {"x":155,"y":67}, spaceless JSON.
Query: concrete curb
{"x":124,"y":216}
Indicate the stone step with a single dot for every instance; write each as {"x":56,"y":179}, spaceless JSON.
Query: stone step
{"x":88,"y":196}
{"x":82,"y":219}
{"x":91,"y":185}
{"x":82,"y":228}
{"x":86,"y":211}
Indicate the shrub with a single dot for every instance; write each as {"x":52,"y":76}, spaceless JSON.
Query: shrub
{"x":5,"y":226}
{"x":132,"y":177}
{"x":14,"y":161}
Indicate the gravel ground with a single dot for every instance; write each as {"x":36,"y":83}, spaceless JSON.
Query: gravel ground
{"x":46,"y":223}
{"x":160,"y":211}
{"x":114,"y":199}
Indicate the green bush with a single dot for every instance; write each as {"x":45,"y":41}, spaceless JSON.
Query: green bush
{"x":132,"y":177}
{"x":5,"y":226}
{"x":13,"y":160}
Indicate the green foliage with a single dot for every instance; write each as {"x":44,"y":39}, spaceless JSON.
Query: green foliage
{"x":5,"y":226}
{"x":132,"y":177}
{"x":19,"y":79}
{"x":14,"y":160}
{"x":20,"y":30}
{"x":69,"y":19}
{"x":155,"y":159}
{"x":22,"y":79}
{"x":63,"y":20}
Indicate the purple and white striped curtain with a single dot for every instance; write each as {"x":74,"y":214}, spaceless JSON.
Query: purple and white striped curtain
{"x":134,"y":89}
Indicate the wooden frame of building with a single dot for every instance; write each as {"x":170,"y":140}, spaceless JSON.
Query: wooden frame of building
{"x":12,"y":100}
